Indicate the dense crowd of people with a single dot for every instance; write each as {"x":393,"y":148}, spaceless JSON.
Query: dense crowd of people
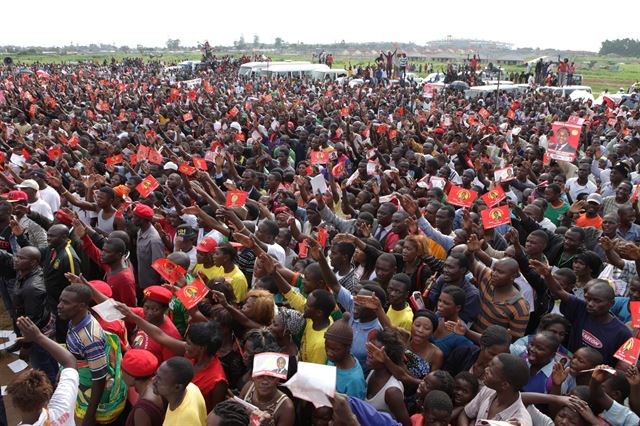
{"x":199,"y":244}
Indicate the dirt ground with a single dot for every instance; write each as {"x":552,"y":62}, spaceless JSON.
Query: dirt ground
{"x":6,"y":375}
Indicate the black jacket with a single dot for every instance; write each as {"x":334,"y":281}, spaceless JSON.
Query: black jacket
{"x":30,"y":298}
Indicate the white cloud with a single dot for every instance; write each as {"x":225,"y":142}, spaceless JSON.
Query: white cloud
{"x":545,"y":23}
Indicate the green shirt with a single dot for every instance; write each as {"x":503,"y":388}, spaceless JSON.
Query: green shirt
{"x":554,"y":213}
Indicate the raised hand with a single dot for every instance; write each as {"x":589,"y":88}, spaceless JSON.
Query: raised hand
{"x":559,"y":373}
{"x":28,"y":329}
{"x":542,"y":269}
{"x":474,"y":244}
{"x":16,"y":229}
{"x":456,"y":327}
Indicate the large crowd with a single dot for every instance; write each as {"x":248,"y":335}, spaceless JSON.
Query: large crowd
{"x":239,"y":251}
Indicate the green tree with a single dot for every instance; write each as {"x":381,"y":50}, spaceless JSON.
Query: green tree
{"x":256,"y":40}
{"x":173,"y":44}
{"x":241,"y":43}
{"x":279,"y":42}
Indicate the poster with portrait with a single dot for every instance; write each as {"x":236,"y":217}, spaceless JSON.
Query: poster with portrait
{"x":563,"y":145}
{"x":271,"y":364}
{"x":494,"y":217}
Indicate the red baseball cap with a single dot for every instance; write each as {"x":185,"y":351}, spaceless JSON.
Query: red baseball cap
{"x":102,"y":287}
{"x":14,"y":196}
{"x":143,"y":211}
{"x":63,"y":217}
{"x":207,"y":245}
{"x":158,"y":294}
{"x":139,"y":363}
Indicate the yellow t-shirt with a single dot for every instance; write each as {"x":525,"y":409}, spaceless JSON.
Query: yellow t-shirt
{"x":401,"y":319}
{"x":236,"y":278}
{"x":312,"y":348}
{"x":192,"y":411}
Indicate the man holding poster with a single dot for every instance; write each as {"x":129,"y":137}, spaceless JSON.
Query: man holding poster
{"x":564,"y":142}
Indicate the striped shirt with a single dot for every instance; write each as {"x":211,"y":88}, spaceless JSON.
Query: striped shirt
{"x":512,"y":314}
{"x":87,"y":342}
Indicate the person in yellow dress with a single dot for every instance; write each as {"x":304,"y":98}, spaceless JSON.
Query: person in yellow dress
{"x":218,"y":261}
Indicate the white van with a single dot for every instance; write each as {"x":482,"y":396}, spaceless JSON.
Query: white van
{"x":564,"y":90}
{"x":331,"y":74}
{"x":490,"y":90}
{"x":295,"y":70}
{"x":251,"y":69}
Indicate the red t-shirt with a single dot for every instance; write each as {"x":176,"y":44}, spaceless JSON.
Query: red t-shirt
{"x":143,"y":341}
{"x":123,"y":286}
{"x":118,"y":328}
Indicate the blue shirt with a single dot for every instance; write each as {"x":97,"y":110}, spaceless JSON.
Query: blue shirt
{"x":633,"y":234}
{"x":351,"y":382}
{"x":620,"y":309}
{"x":471,"y":308}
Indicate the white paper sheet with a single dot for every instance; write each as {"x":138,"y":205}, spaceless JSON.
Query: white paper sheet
{"x":318,"y":184}
{"x":17,"y":365}
{"x":107,"y":310}
{"x":313,"y":383}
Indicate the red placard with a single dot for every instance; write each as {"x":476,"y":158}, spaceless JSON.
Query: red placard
{"x":344,"y":112}
{"x":155,"y":157}
{"x":492,"y":218}
{"x":186,"y":169}
{"x":187,"y":116}
{"x":382,"y":129}
{"x":234,"y":111}
{"x":319,"y":157}
{"x":143,"y":152}
{"x":629,"y":351}
{"x":634,"y":308}
{"x":494,"y":196}
{"x":133,"y":159}
{"x":267,"y":98}
{"x":302,"y":249}
{"x":236,"y":198}
{"x":511,"y":115}
{"x":116,"y":159}
{"x":564,"y":142}
{"x":147,"y":186}
{"x":462,"y":197}
{"x":322,"y":236}
{"x":73,"y":141}
{"x":191,"y":294}
{"x":54,"y":152}
{"x":168,"y":270}
{"x":199,"y":163}
{"x":484,"y":113}
{"x":338,"y":169}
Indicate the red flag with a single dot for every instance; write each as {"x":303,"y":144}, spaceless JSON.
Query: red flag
{"x":338,"y":169}
{"x":191,"y":294}
{"x":302,"y":249}
{"x":155,"y":157}
{"x":239,"y":137}
{"x":462,"y":197}
{"x":133,"y":159}
{"x":492,"y":218}
{"x":344,"y":112}
{"x":484,"y":113}
{"x":494,"y":196}
{"x":634,"y":308}
{"x":186,"y":169}
{"x":382,"y":129}
{"x":511,"y":115}
{"x":174,"y":93}
{"x":32,"y":110}
{"x":116,"y":159}
{"x":322,"y":236}
{"x":150,"y":134}
{"x":143,"y":152}
{"x":319,"y":157}
{"x":147,"y":186}
{"x":234,"y":111}
{"x":192,"y":95}
{"x":236,"y":198}
{"x":267,"y":97}
{"x":168,"y":270}
{"x":629,"y":351}
{"x":393,"y":133}
{"x":54,"y":152}
{"x":199,"y":163}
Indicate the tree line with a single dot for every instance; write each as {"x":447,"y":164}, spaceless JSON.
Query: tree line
{"x":622,"y":47}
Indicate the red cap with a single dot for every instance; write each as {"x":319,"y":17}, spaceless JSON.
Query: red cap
{"x":143,"y":211}
{"x":158,"y":294}
{"x":13,"y":196}
{"x":63,"y":217}
{"x":439,"y":131}
{"x":102,"y":287}
{"x":207,"y":245}
{"x":139,"y":363}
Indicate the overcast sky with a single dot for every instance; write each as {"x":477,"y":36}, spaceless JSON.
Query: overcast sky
{"x":576,"y":25}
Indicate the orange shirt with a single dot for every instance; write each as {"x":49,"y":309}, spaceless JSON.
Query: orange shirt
{"x":584,"y":221}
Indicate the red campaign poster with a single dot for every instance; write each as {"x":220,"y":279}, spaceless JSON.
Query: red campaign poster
{"x":629,"y":351}
{"x":54,"y":152}
{"x":147,"y":186}
{"x":302,"y":249}
{"x":74,"y":141}
{"x":186,"y":169}
{"x":564,"y":142}
{"x":210,"y":156}
{"x":462,"y":197}
{"x":187,"y":116}
{"x":492,"y":218}
{"x":338,"y":169}
{"x":574,"y":119}
{"x":322,"y":236}
{"x":234,"y":111}
{"x":133,"y":159}
{"x":116,"y":159}
{"x":494,"y":196}
{"x":236,"y":198}
{"x":143,"y":152}
{"x":634,"y":308}
{"x":511,"y":115}
{"x":344,"y":112}
{"x":155,"y":157}
{"x":168,"y":270}
{"x":319,"y":157}
{"x":199,"y":163}
{"x":191,"y":294}
{"x":484,"y":113}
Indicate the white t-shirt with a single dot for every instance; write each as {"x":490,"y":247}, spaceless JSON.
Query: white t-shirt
{"x":576,"y":189}
{"x":42,"y":208}
{"x":60,"y":410}
{"x":51,"y":197}
{"x":277,"y":252}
